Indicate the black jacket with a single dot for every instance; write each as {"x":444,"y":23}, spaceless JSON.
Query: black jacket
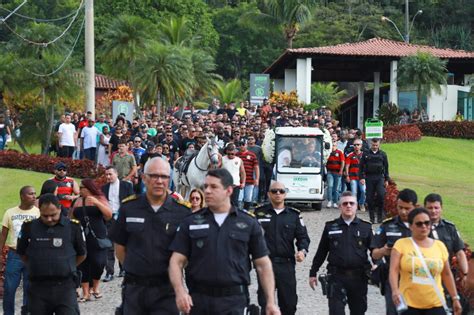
{"x":125,"y":190}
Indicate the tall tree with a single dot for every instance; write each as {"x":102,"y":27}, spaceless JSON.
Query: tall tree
{"x":423,"y":72}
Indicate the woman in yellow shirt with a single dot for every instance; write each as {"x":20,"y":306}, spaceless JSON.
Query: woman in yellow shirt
{"x":408,"y":277}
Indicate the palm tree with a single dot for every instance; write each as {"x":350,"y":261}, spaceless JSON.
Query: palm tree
{"x":126,"y":38}
{"x":176,"y":31}
{"x":228,"y":92}
{"x":288,"y":14}
{"x":424,"y":72}
{"x":327,"y":94}
{"x":165,"y":73}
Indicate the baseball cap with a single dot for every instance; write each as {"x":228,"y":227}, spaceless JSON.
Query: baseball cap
{"x":150,"y":145}
{"x":60,"y":165}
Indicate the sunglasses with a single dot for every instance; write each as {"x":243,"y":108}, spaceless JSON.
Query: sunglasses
{"x":348,"y":203}
{"x":137,"y":141}
{"x":158,"y":176}
{"x":276,"y":191}
{"x":62,"y":170}
{"x":195,"y":198}
{"x":421,"y":223}
{"x":357,"y":144}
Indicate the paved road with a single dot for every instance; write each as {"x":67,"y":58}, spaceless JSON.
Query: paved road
{"x":310,"y":302}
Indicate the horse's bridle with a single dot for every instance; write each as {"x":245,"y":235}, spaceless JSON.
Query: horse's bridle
{"x":210,"y":159}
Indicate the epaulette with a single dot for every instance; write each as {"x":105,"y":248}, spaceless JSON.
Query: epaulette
{"x":75,"y":221}
{"x":294,"y":209}
{"x":332,"y":221}
{"x":388,"y":220}
{"x":249,"y":213}
{"x":130,"y":198}
{"x":366,"y":221}
{"x":183,"y":202}
{"x":27,"y":221}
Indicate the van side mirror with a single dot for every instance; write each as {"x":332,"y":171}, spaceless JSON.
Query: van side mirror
{"x":327,"y":146}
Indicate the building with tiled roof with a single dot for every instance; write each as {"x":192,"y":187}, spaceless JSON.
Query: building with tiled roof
{"x":374,"y":60}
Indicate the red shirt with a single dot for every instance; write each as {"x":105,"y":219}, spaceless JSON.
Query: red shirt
{"x":353,"y":161}
{"x":250,"y":161}
{"x":335,"y":160}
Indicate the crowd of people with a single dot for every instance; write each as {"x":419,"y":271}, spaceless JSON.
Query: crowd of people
{"x":158,"y":236}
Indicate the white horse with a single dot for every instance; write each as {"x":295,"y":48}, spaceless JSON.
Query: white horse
{"x":207,"y":158}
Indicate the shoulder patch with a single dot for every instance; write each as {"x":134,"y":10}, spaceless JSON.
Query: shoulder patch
{"x":182,"y":202}
{"x":130,"y":198}
{"x":75,"y":221}
{"x":294,"y":209}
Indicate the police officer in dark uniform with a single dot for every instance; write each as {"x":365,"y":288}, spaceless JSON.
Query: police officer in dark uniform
{"x":216,"y":244}
{"x":282,"y":225}
{"x":345,"y":242}
{"x":144,"y":229}
{"x":373,"y":173}
{"x":386,"y":235}
{"x":52,"y":246}
{"x":446,"y":232}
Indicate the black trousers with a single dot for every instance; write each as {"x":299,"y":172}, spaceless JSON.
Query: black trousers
{"x":47,"y":298}
{"x":110,"y":264}
{"x":234,"y":198}
{"x":375,"y":194}
{"x":145,"y":300}
{"x":268,"y":173}
{"x":226,"y":305}
{"x":66,"y":151}
{"x":285,"y":284}
{"x":348,"y":289}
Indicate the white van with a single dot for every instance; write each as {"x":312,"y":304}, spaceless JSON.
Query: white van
{"x":299,"y":155}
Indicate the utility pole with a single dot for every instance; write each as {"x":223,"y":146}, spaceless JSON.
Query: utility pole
{"x":407,"y":21}
{"x":89,"y":56}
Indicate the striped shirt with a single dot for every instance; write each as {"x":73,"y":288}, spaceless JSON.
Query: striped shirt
{"x":250,"y":161}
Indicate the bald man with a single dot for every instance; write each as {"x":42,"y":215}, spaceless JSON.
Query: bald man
{"x":145,"y":227}
{"x":283,"y":225}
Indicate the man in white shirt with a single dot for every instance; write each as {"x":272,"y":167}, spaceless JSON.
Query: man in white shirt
{"x":89,"y":137}
{"x":115,"y":191}
{"x":236,"y":168}
{"x":67,"y":137}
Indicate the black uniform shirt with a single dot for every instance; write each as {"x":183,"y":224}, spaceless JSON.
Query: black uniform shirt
{"x":373,"y":165}
{"x":147,"y":234}
{"x":78,"y":238}
{"x":345,"y":246}
{"x":218,"y":256}
{"x":282,"y":229}
{"x":446,"y":232}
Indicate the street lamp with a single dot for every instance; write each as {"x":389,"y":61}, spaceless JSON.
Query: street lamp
{"x":406,"y":37}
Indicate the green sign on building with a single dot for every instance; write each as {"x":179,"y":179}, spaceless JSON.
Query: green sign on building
{"x":259,"y":87}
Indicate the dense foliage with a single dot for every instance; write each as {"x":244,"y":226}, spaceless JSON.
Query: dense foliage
{"x":448,"y":129}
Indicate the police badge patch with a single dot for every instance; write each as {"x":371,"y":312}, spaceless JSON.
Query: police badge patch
{"x":57,"y":242}
{"x":241,"y":225}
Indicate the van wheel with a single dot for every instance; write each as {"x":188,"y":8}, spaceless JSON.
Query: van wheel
{"x":317,"y":206}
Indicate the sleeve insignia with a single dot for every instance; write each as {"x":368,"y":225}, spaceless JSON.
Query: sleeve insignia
{"x":75,"y":221}
{"x":130,"y":198}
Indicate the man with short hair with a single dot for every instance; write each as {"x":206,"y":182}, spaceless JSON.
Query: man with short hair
{"x":215,"y":245}
{"x":52,"y":247}
{"x":15,"y":269}
{"x":344,"y":242}
{"x":138,"y":149}
{"x":352,"y":173}
{"x":335,"y":168}
{"x":67,"y":137}
{"x":386,"y":235}
{"x":89,"y":137}
{"x":142,"y":235}
{"x":283,"y":225}
{"x":374,"y":173}
{"x":446,"y":232}
{"x":115,"y":191}
{"x":124,"y":163}
{"x":236,"y":168}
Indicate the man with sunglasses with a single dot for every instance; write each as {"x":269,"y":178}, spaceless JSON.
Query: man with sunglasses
{"x":386,"y":235}
{"x":352,"y":173}
{"x":68,"y":189}
{"x":344,"y":242}
{"x":283,"y":225}
{"x":142,"y":234}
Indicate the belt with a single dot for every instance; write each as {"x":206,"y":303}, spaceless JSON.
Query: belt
{"x":282,"y":259}
{"x":346,"y":271}
{"x":152,"y":281}
{"x":220,"y":291}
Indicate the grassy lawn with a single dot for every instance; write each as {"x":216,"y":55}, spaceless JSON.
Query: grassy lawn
{"x":443,"y":166}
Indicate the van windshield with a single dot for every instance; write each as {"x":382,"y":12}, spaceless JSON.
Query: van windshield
{"x":299,"y":154}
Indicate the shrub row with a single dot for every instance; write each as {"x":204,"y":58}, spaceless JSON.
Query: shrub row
{"x":390,"y":200}
{"x":401,"y":133}
{"x":45,"y":164}
{"x":448,"y":129}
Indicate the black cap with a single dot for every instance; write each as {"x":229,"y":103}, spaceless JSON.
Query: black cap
{"x":241,"y":143}
{"x":143,"y":126}
{"x":150,"y":145}
{"x":60,"y":165}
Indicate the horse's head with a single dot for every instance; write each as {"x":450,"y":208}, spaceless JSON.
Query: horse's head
{"x":212,"y":151}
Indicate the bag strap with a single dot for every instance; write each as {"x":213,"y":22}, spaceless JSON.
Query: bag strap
{"x":86,"y":218}
{"x":432,"y":280}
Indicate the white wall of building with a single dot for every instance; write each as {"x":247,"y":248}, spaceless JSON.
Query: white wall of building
{"x":443,"y":106}
{"x":290,"y":80}
{"x":279,"y":85}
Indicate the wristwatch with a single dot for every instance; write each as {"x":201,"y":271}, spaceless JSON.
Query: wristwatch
{"x":456,"y":297}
